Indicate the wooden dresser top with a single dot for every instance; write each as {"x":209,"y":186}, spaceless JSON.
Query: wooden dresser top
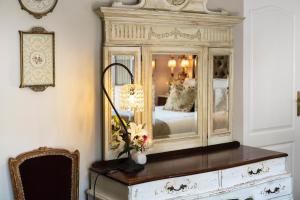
{"x":189,"y":162}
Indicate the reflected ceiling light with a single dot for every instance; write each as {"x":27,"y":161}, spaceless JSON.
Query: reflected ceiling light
{"x":153,"y":64}
{"x":172,"y":64}
{"x":185,"y":62}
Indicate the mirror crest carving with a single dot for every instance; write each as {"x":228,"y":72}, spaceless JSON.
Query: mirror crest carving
{"x":151,"y":34}
{"x":198,"y":6}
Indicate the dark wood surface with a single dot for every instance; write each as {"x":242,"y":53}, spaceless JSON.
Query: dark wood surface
{"x":188,"y":162}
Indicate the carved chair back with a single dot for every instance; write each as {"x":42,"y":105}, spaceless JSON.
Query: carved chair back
{"x":48,"y":174}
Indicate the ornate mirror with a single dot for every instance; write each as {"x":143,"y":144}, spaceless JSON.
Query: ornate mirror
{"x":174,"y":113}
{"x":114,"y":80}
{"x":220,"y":94}
{"x":184,"y":62}
{"x":174,"y":91}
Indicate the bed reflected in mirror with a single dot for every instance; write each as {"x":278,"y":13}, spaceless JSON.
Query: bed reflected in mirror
{"x":119,"y":78}
{"x":174,"y":92}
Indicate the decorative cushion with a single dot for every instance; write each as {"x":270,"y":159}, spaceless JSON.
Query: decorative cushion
{"x":181,"y":98}
{"x":190,"y":82}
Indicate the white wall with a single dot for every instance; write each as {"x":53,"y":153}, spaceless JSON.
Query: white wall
{"x":67,"y":116}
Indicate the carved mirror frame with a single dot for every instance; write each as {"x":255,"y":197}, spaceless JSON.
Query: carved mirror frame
{"x":140,"y":31}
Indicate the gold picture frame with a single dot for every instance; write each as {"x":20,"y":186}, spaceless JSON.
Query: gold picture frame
{"x":37,"y":59}
{"x":36,"y":10}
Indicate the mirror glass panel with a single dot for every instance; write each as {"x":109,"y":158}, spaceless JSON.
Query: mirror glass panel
{"x":119,"y":78}
{"x":221,"y":93}
{"x":174,"y":93}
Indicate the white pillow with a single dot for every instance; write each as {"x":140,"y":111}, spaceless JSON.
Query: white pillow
{"x":190,"y":82}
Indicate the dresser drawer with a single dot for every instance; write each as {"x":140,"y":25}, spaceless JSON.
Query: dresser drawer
{"x":277,"y":189}
{"x":176,"y":187}
{"x":274,"y":189}
{"x":287,"y":197}
{"x":251,"y":172}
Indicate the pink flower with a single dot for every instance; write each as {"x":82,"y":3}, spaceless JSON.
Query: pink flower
{"x":145,"y":138}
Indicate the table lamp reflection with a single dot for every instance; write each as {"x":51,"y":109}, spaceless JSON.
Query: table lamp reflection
{"x":131,"y":99}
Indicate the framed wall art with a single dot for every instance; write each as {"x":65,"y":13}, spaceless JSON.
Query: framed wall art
{"x":38,"y":8}
{"x":37,"y":59}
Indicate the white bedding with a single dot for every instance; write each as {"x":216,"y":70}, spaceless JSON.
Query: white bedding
{"x":177,"y":122}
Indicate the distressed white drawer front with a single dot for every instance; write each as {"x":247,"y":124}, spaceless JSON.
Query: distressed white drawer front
{"x":176,"y":187}
{"x":287,"y":197}
{"x":251,"y":172}
{"x":274,"y":189}
{"x":277,"y":190}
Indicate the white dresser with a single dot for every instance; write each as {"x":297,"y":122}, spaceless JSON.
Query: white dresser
{"x":149,"y":34}
{"x":242,"y":173}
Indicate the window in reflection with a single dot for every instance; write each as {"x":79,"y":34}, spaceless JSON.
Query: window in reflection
{"x":174,"y":93}
{"x":221,"y":93}
{"x":121,"y":77}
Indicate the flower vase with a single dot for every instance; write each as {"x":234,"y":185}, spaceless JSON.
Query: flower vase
{"x":139,"y":157}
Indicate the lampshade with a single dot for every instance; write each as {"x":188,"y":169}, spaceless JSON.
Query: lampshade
{"x":132,"y":98}
{"x":185,"y":62}
{"x":172,"y":64}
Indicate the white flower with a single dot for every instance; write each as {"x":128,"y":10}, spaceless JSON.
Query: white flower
{"x":136,"y":130}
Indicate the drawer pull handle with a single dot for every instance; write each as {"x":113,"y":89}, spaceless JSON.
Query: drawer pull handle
{"x":250,"y":198}
{"x":172,"y":188}
{"x":258,"y":171}
{"x":275,"y":191}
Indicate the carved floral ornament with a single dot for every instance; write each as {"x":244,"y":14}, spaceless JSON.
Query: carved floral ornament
{"x":176,"y":33}
{"x":199,"y":6}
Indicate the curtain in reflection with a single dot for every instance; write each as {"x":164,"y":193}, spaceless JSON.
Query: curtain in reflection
{"x":121,"y":76}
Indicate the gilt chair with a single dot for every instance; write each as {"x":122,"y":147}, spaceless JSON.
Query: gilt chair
{"x":45,"y":174}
